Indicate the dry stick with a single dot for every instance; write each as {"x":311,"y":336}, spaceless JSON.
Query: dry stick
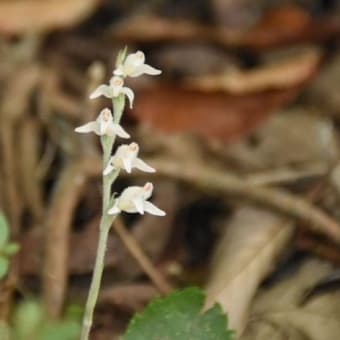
{"x":284,"y":175}
{"x":19,"y":85}
{"x":217,"y":180}
{"x":138,"y":254}
{"x":31,"y":186}
{"x":12,"y":204}
{"x":58,"y":224}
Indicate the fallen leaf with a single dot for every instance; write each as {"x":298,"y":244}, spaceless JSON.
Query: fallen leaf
{"x":277,"y":314}
{"x":246,"y":253}
{"x":214,"y":114}
{"x":279,"y":27}
{"x":286,"y":73}
{"x":18,"y":17}
{"x":129,"y":297}
{"x":323,"y":91}
{"x":281,"y":22}
{"x":288,"y":24}
{"x":278,"y":142}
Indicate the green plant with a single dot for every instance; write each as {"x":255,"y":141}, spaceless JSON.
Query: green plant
{"x":179,"y":316}
{"x":133,"y":199}
{"x":29,"y":322}
{"x":7,"y":249}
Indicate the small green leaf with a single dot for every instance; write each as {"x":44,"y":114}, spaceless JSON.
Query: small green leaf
{"x":74,"y":312}
{"x":3,"y":230}
{"x":4,"y":265}
{"x":28,"y":319}
{"x":64,"y":330}
{"x":178,"y":316}
{"x":10,"y":249}
{"x":5,"y":333}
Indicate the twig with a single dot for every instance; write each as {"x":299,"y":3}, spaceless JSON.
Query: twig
{"x":330,"y":252}
{"x":138,"y":254}
{"x":221,"y":182}
{"x":58,"y":224}
{"x":286,"y":175}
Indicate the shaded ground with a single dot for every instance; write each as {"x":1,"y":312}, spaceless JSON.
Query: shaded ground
{"x":243,"y":127}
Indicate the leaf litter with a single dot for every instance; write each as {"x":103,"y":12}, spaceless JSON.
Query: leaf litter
{"x":251,"y":133}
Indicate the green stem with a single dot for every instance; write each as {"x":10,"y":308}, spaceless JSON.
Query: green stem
{"x":105,"y":225}
{"x":96,"y":278}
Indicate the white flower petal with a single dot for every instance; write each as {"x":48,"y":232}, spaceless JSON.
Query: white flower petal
{"x":152,"y":209}
{"x":103,"y":127}
{"x":119,"y":71}
{"x":133,"y":61}
{"x":116,"y":85}
{"x":141,"y":165}
{"x":138,"y":202}
{"x":147,"y":190}
{"x":145,"y":69}
{"x":88,"y":127}
{"x":114,"y":210}
{"x":129,"y":93}
{"x":102,"y":90}
{"x":127,"y":165}
{"x":119,"y":131}
{"x":130,"y":192}
{"x":108,"y":169}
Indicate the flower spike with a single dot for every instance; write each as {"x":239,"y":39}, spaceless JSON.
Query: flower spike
{"x":103,"y":125}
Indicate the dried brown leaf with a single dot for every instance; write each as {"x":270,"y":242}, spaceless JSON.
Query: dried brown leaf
{"x":246,"y":253}
{"x":130,"y":297}
{"x":287,"y":24}
{"x":278,"y":315}
{"x":214,"y":114}
{"x":323,"y":91}
{"x":278,"y":27}
{"x":18,"y":17}
{"x":279,"y":141}
{"x":286,"y":73}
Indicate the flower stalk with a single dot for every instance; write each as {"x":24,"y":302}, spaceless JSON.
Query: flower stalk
{"x":133,"y":199}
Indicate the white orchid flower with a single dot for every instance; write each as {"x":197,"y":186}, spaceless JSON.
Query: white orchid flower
{"x":103,"y":125}
{"x":134,"y":66}
{"x":113,"y":90}
{"x":126,"y":157}
{"x":135,"y":200}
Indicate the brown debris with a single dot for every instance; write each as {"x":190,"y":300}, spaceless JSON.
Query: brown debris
{"x":275,"y":29}
{"x":283,"y":74}
{"x":257,"y":124}
{"x":221,"y":182}
{"x":213,"y":115}
{"x":18,"y":17}
{"x":66,"y":195}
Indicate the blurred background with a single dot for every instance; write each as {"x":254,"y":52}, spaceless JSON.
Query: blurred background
{"x":242,"y":126}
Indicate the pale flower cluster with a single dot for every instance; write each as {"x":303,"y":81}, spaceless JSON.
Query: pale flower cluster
{"x":133,"y":66}
{"x":133,"y":199}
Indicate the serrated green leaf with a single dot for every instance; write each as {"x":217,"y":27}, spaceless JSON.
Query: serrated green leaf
{"x":4,"y":265}
{"x":178,"y":316}
{"x":4,"y":230}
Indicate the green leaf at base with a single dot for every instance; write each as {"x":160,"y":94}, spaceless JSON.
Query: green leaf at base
{"x":178,"y":317}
